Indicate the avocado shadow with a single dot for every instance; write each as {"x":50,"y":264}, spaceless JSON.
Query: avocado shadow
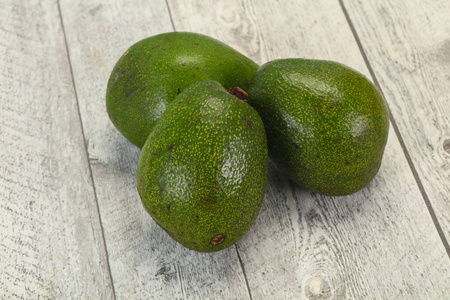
{"x":289,"y":208}
{"x":123,"y":156}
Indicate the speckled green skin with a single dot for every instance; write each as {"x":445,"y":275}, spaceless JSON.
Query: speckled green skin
{"x":153,"y":71}
{"x":327,"y":125}
{"x":202,"y":172}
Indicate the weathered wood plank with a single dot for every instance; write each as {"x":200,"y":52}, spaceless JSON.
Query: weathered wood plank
{"x":51,"y":244}
{"x":145,"y":262}
{"x":379,"y":243}
{"x":408,"y":47}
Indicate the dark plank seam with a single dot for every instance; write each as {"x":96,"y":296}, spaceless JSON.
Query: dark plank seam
{"x":85,"y":148}
{"x":170,"y":15}
{"x":399,"y":136}
{"x":243,"y":271}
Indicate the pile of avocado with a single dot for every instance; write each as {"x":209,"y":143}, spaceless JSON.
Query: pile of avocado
{"x":207,"y":118}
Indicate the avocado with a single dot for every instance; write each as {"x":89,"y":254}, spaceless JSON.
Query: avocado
{"x":153,"y":71}
{"x":202,"y":172}
{"x":327,"y":125}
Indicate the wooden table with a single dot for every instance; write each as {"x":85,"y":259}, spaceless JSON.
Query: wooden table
{"x":71,"y":222}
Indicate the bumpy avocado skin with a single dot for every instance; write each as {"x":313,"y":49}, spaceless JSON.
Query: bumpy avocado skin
{"x":202,"y":172}
{"x":153,"y":71}
{"x":327,"y":125}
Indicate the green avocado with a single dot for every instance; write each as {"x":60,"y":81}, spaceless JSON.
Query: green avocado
{"x":327,"y":125}
{"x":202,"y":172}
{"x":152,"y":72}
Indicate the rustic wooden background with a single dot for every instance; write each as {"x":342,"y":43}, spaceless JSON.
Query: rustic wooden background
{"x":71,"y":222}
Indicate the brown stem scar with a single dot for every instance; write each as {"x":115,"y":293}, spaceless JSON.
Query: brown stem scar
{"x":238,"y":92}
{"x":217,"y":239}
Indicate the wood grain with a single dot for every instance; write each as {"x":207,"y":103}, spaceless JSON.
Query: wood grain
{"x":375,"y":244}
{"x":145,"y":262}
{"x":380,"y":243}
{"x":408,"y":47}
{"x":51,"y":244}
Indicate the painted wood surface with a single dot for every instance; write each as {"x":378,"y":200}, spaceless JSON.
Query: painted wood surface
{"x":408,"y":47}
{"x":145,"y":261}
{"x":51,"y":243}
{"x":326,"y":247}
{"x":380,"y":243}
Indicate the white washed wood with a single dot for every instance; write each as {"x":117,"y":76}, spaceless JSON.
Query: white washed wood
{"x":145,"y":261}
{"x":408,"y":46}
{"x":378,"y":243}
{"x":51,"y":244}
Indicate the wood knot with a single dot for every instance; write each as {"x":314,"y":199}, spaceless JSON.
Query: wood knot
{"x":317,"y":288}
{"x":447,"y":146}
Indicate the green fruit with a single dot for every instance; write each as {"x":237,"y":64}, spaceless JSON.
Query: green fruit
{"x":152,"y":72}
{"x":202,"y":172}
{"x":326,"y":124}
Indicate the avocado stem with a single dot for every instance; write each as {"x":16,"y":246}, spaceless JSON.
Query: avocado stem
{"x":238,"y":92}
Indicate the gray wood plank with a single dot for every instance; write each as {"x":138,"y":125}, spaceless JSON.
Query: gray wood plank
{"x":408,"y":47}
{"x":51,"y":244}
{"x":145,"y":262}
{"x":379,"y":243}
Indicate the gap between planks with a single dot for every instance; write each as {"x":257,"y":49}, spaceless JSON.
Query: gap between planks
{"x":399,"y":136}
{"x":85,"y":148}
{"x":170,"y":16}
